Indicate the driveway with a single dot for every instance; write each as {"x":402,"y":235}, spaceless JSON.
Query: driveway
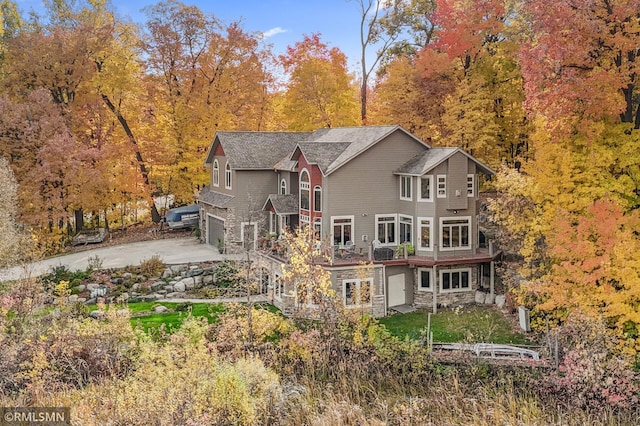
{"x":171,"y":251}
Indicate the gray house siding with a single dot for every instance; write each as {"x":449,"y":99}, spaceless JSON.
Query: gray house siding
{"x":366,"y":185}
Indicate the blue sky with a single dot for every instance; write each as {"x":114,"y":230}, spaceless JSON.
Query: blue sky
{"x":284,"y":21}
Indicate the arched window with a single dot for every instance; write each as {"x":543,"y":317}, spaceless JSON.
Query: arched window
{"x":227,"y":176}
{"x":216,"y":173}
{"x":304,"y":190}
{"x":317,"y":199}
{"x":283,"y":187}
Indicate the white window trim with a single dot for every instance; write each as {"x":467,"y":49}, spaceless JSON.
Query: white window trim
{"x":358,"y":283}
{"x":420,"y":288}
{"x":227,"y":176}
{"x":283,"y":186}
{"x":411,"y":237}
{"x":419,"y":233}
{"x":304,"y":186}
{"x":410,"y":179}
{"x":255,"y":231}
{"x":454,"y":290}
{"x":305,"y":218}
{"x":441,"y":234}
{"x":444,"y":181}
{"x":317,"y":188}
{"x":473,"y":185}
{"x":395,"y":230}
{"x":216,"y":173}
{"x":317,"y":225}
{"x":352,"y":218}
{"x":431,"y":188}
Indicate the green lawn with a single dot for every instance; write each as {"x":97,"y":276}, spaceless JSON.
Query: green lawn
{"x":471,"y":324}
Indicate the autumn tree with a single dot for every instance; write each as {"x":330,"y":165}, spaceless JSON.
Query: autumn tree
{"x":320,"y":91}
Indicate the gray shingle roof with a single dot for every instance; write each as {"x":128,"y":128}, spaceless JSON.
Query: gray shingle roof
{"x":213,"y":198}
{"x":255,"y":150}
{"x":330,"y":149}
{"x":283,"y":204}
{"x":427,"y":160}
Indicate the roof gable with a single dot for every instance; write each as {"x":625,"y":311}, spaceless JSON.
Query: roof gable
{"x":428,"y":160}
{"x":332,"y":148}
{"x":254,"y":150}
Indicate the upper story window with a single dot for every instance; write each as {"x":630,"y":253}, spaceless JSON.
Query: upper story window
{"x":471,"y":187}
{"x":455,"y":233}
{"x":304,"y":190}
{"x":426,"y":188}
{"x":283,"y":187}
{"x":425,"y":233}
{"x":406,"y":228}
{"x":342,"y":227}
{"x":227,"y":176}
{"x":386,"y":229}
{"x":216,"y":173}
{"x":317,"y":199}
{"x":405,"y":188}
{"x":442,"y":186}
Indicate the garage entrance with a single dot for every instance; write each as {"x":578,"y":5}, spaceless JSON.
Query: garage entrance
{"x":215,"y":230}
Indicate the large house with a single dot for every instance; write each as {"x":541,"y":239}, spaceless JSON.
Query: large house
{"x":365,"y":190}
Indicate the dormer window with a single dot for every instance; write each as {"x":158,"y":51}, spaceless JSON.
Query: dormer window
{"x":283,"y":187}
{"x":216,"y":173}
{"x":227,"y":176}
{"x":405,"y":188}
{"x":304,"y":190}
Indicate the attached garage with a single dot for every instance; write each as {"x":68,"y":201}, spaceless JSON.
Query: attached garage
{"x":215,"y":229}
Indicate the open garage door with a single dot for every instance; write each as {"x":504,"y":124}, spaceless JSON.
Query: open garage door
{"x":215,"y":230}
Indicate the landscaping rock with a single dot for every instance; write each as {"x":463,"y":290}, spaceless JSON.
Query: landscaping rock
{"x":180,"y":286}
{"x":157,"y":285}
{"x":149,"y":297}
{"x":117,"y":280}
{"x":174,"y":295}
{"x":207,"y":279}
{"x":480,"y":296}
{"x":194,"y":272}
{"x":82,"y":299}
{"x":97,"y":314}
{"x":81,"y":287}
{"x":167,"y":273}
{"x":500,"y":300}
{"x":135,"y":287}
{"x":73,"y":298}
{"x":91,"y":301}
{"x":160,"y":309}
{"x":93,"y":286}
{"x":162,"y":292}
{"x":490,"y":299}
{"x":178,"y":268}
{"x":127,"y":276}
{"x":168,"y":288}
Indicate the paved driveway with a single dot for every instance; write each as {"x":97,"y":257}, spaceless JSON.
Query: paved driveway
{"x":171,"y":251}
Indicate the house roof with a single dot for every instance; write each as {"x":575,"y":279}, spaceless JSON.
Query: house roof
{"x":332,"y":148}
{"x":213,"y":198}
{"x":429,"y":159}
{"x":282,"y":204}
{"x":254,"y":150}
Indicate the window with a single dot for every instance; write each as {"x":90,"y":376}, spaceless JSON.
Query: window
{"x":278,"y":287}
{"x":405,"y":188}
{"x":356,"y":293}
{"x":470,"y":186}
{"x":426,"y":231}
{"x":425,"y":282}
{"x":227,"y":176}
{"x":426,"y":193}
{"x":216,"y":173}
{"x":273,"y":223}
{"x":283,"y":187}
{"x":442,"y":186}
{"x":455,"y":232}
{"x":455,"y":280}
{"x":406,"y":229}
{"x":386,"y":229}
{"x":342,"y":229}
{"x":317,"y":199}
{"x":304,"y":190}
{"x":317,"y":227}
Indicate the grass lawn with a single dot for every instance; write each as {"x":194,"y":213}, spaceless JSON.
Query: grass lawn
{"x":473,"y":324}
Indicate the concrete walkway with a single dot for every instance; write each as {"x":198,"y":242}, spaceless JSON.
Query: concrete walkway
{"x":171,"y":251}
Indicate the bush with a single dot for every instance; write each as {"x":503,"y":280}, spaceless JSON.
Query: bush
{"x":152,"y":267}
{"x":226,"y":274}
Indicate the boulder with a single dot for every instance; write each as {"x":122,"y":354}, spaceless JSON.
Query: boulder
{"x":160,"y":309}
{"x":194,"y":272}
{"x":157,"y":285}
{"x":207,"y":279}
{"x":117,"y":280}
{"x":168,"y":288}
{"x":189,"y":283}
{"x":93,"y":286}
{"x":174,"y":295}
{"x":179,"y":286}
{"x":127,"y":276}
{"x":176,"y":269}
{"x":81,"y":299}
{"x":91,"y":301}
{"x":500,"y":300}
{"x":81,"y":287}
{"x":490,"y":299}
{"x":97,"y":314}
{"x":167,"y":273}
{"x":73,"y":298}
{"x":480,"y":296}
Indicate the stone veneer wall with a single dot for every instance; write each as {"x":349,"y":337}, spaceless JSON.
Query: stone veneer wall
{"x":377,"y":308}
{"x":424,"y":299}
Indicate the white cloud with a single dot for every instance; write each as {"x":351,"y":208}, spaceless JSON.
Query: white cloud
{"x":272,"y":32}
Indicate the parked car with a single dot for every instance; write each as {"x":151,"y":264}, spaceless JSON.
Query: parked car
{"x":183,"y":217}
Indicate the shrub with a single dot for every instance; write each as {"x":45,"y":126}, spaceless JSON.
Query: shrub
{"x":152,"y":267}
{"x":226,"y":274}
